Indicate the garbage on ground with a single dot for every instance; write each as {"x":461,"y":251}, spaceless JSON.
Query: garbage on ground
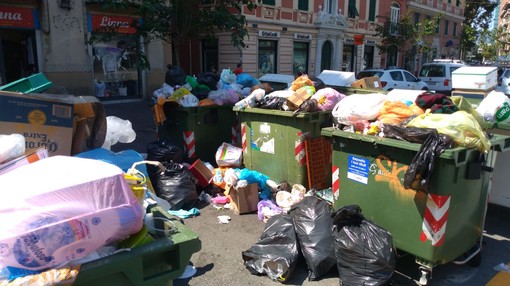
{"x":313,"y":223}
{"x":364,"y":251}
{"x":276,"y":252}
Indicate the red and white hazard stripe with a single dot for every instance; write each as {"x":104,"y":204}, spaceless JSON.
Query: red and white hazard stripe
{"x":299,"y":148}
{"x":335,"y":178}
{"x":243,"y":136}
{"x":234,"y":134}
{"x":189,"y":143}
{"x":435,"y":218}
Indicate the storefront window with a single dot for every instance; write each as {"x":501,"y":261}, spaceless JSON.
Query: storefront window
{"x":116,"y":73}
{"x":348,"y":58}
{"x":300,"y":58}
{"x":267,"y":57}
{"x":115,"y":69}
{"x":368,"y":57}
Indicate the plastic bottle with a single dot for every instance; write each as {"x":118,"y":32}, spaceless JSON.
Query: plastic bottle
{"x":218,"y":178}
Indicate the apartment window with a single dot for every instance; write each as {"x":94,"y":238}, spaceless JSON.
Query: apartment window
{"x":458,"y":3}
{"x":303,"y":5}
{"x":416,"y":19}
{"x":449,"y":1}
{"x":446,"y":26}
{"x":454,"y":29}
{"x":353,"y":11}
{"x":329,"y":7}
{"x":371,"y":11}
{"x":206,"y":2}
{"x":267,"y":56}
{"x":300,"y":57}
{"x":394,"y":18}
{"x":268,"y":2}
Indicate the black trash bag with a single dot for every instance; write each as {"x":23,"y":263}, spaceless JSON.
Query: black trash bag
{"x":276,"y":253}
{"x":410,"y":134}
{"x":165,"y":150}
{"x":317,"y":83}
{"x":419,"y":173}
{"x":313,"y":223}
{"x":364,"y":251}
{"x":310,"y":105}
{"x":209,"y":79}
{"x":272,"y":102}
{"x":175,"y":185}
{"x":175,"y":75}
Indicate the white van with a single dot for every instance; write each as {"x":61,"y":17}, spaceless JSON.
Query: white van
{"x":438,"y":74}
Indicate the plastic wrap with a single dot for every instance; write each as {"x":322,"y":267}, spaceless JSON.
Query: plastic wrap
{"x":63,"y":208}
{"x":356,"y":107}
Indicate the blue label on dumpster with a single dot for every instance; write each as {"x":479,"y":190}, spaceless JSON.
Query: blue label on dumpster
{"x":357,"y":169}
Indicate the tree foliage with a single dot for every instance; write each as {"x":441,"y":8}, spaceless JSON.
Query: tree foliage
{"x":478,"y":15}
{"x":173,"y":21}
{"x":405,"y":34}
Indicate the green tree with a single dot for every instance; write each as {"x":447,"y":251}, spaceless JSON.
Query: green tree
{"x":477,"y":17}
{"x":405,"y":36}
{"x":174,"y":21}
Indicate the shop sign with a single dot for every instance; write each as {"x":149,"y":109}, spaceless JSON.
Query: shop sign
{"x":371,"y":42}
{"x":299,"y":36}
{"x":269,"y":34}
{"x":16,"y":17}
{"x":358,"y":39}
{"x":121,"y":24}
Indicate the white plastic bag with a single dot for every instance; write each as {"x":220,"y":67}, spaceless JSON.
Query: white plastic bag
{"x":118,"y":130}
{"x":358,"y":107}
{"x":11,"y":147}
{"x":189,"y":100}
{"x":229,"y":155}
{"x":495,"y":107}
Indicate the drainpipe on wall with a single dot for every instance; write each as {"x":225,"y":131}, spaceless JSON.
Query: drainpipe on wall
{"x":240,"y":54}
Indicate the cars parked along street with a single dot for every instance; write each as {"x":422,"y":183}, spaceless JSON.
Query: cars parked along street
{"x":504,"y":82}
{"x":395,"y":78}
{"x":438,"y":74}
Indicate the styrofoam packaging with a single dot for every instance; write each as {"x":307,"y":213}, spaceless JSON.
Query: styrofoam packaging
{"x":475,"y":78}
{"x":63,"y":208}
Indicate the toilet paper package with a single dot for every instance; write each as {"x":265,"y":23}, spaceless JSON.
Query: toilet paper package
{"x":63,"y":208}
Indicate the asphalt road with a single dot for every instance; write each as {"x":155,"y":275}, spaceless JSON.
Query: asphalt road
{"x":220,"y":263}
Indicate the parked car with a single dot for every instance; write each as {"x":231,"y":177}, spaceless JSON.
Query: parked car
{"x":394,"y":78}
{"x":438,"y":74}
{"x":504,"y":82}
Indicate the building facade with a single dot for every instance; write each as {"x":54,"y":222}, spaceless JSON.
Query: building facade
{"x":284,"y":36}
{"x":52,"y":37}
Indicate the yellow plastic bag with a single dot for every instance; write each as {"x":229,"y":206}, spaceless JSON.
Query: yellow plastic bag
{"x":460,"y":125}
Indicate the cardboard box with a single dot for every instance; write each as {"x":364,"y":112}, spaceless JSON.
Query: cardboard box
{"x":372,"y":82}
{"x":201,"y":172}
{"x":243,"y":200}
{"x":295,"y":100}
{"x":44,"y":122}
{"x":475,"y":78}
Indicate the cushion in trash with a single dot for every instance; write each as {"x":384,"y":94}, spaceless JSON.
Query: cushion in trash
{"x":63,"y":208}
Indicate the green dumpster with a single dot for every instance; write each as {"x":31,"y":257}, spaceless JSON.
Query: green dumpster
{"x":273,"y":142}
{"x":200,"y":129}
{"x":155,"y":263}
{"x":438,"y":226}
{"x":35,"y":83}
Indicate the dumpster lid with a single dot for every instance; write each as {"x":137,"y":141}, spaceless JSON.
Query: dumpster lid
{"x":337,"y":78}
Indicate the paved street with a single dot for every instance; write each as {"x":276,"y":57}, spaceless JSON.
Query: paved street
{"x":219,"y":262}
